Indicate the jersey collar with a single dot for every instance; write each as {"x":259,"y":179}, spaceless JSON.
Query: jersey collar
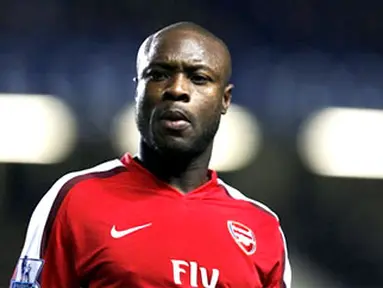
{"x":152,"y":182}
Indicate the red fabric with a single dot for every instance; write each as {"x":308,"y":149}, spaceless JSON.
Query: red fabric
{"x":186,"y":241}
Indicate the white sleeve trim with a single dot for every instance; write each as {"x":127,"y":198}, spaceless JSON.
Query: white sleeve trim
{"x":37,"y":222}
{"x":287,"y":274}
{"x":236,"y":194}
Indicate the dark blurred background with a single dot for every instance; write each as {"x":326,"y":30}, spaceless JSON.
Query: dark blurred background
{"x":318,"y":167}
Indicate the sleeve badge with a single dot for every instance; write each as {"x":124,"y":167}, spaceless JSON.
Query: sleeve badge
{"x":27,"y":273}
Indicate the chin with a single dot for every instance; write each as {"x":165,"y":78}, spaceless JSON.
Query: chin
{"x":173,"y":145}
{"x":180,"y":145}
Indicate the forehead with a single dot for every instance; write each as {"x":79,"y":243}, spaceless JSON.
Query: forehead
{"x":185,"y":48}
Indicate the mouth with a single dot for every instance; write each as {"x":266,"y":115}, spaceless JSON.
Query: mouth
{"x":174,"y":115}
{"x":175,"y":119}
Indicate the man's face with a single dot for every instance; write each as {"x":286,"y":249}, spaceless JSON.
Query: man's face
{"x":181,"y":92}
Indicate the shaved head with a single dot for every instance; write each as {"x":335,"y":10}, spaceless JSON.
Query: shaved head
{"x":183,"y":29}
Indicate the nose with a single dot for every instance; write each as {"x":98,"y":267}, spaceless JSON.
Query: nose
{"x":177,"y":89}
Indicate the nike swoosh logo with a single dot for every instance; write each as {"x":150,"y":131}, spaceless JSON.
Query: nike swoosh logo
{"x":118,"y":234}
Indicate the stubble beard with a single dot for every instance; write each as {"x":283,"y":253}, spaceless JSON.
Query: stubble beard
{"x":171,"y":147}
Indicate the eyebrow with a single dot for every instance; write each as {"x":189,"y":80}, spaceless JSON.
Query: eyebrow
{"x":169,"y":65}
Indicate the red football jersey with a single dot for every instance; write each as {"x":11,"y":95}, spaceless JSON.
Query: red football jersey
{"x":117,"y":225}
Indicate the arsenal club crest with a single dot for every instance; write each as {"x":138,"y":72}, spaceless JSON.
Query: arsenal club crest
{"x":243,"y":236}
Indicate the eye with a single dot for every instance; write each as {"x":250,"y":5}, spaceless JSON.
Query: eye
{"x":199,"y":79}
{"x":157,"y":76}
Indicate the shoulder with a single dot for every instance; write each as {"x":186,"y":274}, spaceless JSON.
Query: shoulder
{"x":46,"y":210}
{"x":103,"y":170}
{"x":256,"y":206}
{"x":67,"y":182}
{"x":272,"y":235}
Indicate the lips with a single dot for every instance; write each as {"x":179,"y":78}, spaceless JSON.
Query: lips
{"x":175,"y":120}
{"x":174,"y":115}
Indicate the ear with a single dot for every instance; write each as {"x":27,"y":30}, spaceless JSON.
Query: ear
{"x":135,"y":80}
{"x":226,"y":99}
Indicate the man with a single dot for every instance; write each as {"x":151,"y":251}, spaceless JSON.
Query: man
{"x":162,"y":218}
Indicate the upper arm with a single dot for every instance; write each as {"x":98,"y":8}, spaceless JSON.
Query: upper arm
{"x":280,"y":276}
{"x":58,"y":251}
{"x":47,"y":245}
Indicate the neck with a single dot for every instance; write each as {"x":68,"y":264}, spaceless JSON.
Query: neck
{"x":181,"y":172}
